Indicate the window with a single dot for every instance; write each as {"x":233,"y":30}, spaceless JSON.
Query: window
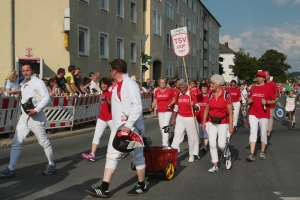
{"x":169,"y":69}
{"x":193,"y":50}
{"x":120,"y":48}
{"x":83,"y":41}
{"x":201,"y":34}
{"x":120,"y":8}
{"x":177,"y":6}
{"x":133,"y":12}
{"x":189,"y":3}
{"x":169,"y":41}
{"x":133,"y":52}
{"x":194,"y":7}
{"x":194,"y":28}
{"x":184,"y":1}
{"x":169,"y":11}
{"x":182,"y":23}
{"x":188,"y":24}
{"x":193,"y":74}
{"x":201,"y":54}
{"x":182,"y":71}
{"x":104,"y":4}
{"x":156,"y":24}
{"x":103,"y":46}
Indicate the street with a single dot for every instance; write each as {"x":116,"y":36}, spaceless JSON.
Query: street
{"x":277,"y":177}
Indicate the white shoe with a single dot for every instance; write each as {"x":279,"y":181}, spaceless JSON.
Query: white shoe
{"x":191,"y":158}
{"x":213,"y":169}
{"x":228,"y":163}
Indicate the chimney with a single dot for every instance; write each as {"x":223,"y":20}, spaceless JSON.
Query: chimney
{"x":226,"y":44}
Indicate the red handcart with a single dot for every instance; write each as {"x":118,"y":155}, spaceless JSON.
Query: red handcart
{"x":161,"y":160}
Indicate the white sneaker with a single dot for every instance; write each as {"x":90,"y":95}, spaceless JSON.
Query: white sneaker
{"x":191,"y":158}
{"x":228,"y":163}
{"x":213,"y":169}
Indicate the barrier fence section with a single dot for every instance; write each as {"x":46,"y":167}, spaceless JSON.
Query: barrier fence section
{"x":146,"y":100}
{"x":60,"y":112}
{"x":9,"y":114}
{"x":87,"y":109}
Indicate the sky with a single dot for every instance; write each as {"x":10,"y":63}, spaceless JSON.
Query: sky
{"x":260,"y":25}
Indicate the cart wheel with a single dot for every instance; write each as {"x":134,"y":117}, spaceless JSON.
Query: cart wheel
{"x":132,"y":166}
{"x":169,"y":171}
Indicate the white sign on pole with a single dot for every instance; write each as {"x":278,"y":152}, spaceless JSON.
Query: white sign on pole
{"x":180,"y":40}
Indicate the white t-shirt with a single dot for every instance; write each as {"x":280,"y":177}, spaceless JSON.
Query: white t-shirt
{"x":94,"y":85}
{"x":244,"y":95}
{"x":11,"y":85}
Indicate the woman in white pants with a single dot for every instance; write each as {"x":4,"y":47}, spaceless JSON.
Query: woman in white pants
{"x":165,"y":100}
{"x":260,"y":98}
{"x":236,"y":98}
{"x":218,"y":112}
{"x":185,"y":107}
{"x":104,"y":118}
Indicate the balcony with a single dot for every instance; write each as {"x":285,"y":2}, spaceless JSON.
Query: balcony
{"x":205,"y":63}
{"x":205,"y":26}
{"x":205,"y":45}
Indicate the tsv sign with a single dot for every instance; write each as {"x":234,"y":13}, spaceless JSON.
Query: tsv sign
{"x":180,"y":40}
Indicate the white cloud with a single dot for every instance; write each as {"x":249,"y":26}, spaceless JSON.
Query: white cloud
{"x":256,"y":40}
{"x":281,"y":2}
{"x":297,"y":2}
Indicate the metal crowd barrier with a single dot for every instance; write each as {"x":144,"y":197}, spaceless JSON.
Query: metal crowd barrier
{"x":60,"y":112}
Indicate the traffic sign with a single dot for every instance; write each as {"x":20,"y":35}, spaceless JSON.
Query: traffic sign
{"x":180,"y":40}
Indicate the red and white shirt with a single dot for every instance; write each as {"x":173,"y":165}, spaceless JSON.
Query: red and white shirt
{"x":105,"y":109}
{"x":183,"y":106}
{"x":274,"y":89}
{"x":202,"y":100}
{"x":235,"y":94}
{"x":195,"y":92}
{"x":163,"y":98}
{"x":257,"y":93}
{"x":218,"y":107}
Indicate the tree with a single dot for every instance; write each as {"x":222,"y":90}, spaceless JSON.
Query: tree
{"x":275,"y":63}
{"x":245,"y":66}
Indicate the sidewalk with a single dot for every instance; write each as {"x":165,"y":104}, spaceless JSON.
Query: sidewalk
{"x":62,"y":133}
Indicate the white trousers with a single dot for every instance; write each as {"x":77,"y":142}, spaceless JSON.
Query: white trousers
{"x":136,"y":156}
{"x":36,"y":125}
{"x":215,"y":131}
{"x":164,"y":120}
{"x":188,"y":124}
{"x":263,"y":125}
{"x":100,"y":127}
{"x":236,"y":111}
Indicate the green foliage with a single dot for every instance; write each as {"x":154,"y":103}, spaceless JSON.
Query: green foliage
{"x":245,"y":66}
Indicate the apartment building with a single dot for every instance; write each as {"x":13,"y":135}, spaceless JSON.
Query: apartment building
{"x":90,"y":33}
{"x":203,"y":29}
{"x":86,"y":33}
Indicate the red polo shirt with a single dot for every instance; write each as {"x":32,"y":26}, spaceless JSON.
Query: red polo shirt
{"x":195,"y":91}
{"x":202,"y":100}
{"x":257,"y":93}
{"x":274,"y":89}
{"x":105,"y":109}
{"x":218,"y":107}
{"x":184,"y":107}
{"x":235,"y":94}
{"x":163,"y":99}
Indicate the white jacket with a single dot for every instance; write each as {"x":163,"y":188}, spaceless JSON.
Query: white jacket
{"x":130,"y":106}
{"x":35,"y":88}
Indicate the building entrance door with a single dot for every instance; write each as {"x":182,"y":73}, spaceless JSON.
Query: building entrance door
{"x":156,"y":69}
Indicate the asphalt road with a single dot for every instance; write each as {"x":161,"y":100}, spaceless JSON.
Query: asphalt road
{"x":277,"y":177}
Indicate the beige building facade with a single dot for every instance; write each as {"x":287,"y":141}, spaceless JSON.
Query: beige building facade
{"x":90,"y":33}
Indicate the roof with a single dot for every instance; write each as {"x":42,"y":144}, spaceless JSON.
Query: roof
{"x":225,"y":49}
{"x":209,"y":13}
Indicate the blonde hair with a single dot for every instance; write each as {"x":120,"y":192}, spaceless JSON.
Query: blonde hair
{"x":12,"y":76}
{"x":161,"y":78}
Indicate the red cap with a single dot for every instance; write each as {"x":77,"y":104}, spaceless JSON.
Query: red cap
{"x":261,"y":73}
